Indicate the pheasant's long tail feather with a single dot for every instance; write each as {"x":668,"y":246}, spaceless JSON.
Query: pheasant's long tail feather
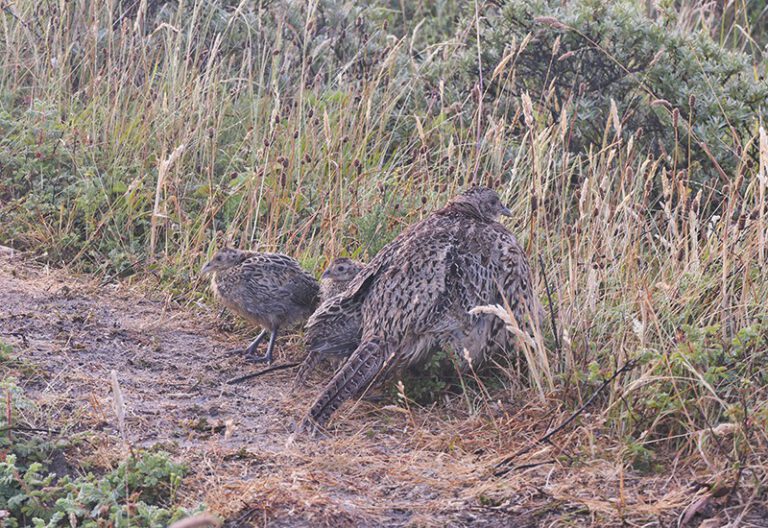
{"x":356,"y":374}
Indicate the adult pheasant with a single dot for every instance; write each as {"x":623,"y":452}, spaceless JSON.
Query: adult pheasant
{"x":414,"y":297}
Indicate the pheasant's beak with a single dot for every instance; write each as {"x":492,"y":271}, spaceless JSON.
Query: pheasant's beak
{"x":505,"y":211}
{"x":207,"y":268}
{"x":326,"y":274}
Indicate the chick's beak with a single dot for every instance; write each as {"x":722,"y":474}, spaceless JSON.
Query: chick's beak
{"x":505,"y":211}
{"x":326,"y":274}
{"x":207,"y":268}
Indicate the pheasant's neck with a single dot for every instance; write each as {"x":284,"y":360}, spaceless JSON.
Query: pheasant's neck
{"x":465,"y":209}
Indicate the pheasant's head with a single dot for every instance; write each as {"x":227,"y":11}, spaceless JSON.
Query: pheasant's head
{"x":223,"y":259}
{"x":342,"y":270}
{"x":482,"y":202}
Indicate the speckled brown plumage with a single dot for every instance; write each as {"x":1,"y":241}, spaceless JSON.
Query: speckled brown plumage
{"x":270,"y":290}
{"x":415,"y":295}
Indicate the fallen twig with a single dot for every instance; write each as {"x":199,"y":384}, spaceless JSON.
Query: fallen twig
{"x":503,"y":467}
{"x":29,"y":429}
{"x":259,"y":373}
{"x":536,"y":464}
{"x":20,"y":335}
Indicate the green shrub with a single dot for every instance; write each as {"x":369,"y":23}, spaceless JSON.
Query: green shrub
{"x":580,"y":58}
{"x":139,"y":492}
{"x":702,"y":383}
{"x":135,"y":494}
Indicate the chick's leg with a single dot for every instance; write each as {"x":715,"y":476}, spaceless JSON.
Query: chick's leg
{"x":267,"y":358}
{"x":256,"y":342}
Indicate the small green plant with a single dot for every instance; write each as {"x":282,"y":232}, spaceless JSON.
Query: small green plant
{"x":426,"y":382}
{"x":703,"y":382}
{"x":638,"y":455}
{"x":139,"y":492}
{"x":14,"y":364}
{"x":5,"y":353}
{"x":441,"y":373}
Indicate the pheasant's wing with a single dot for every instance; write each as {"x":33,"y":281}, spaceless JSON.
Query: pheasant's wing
{"x":359,"y":286}
{"x":302,"y":289}
{"x":384,"y":293}
{"x":276,"y":284}
{"x":407,"y":299}
{"x":515,"y":278}
{"x":412,"y":294}
{"x":270,"y":271}
{"x":334,"y":328}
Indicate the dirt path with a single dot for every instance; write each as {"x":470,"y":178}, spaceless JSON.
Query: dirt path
{"x":171,"y":366}
{"x":381,"y":466}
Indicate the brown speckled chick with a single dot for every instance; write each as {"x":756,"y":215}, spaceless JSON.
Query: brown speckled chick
{"x":414,"y":297}
{"x":333,"y":282}
{"x":270,"y":290}
{"x":337,"y":277}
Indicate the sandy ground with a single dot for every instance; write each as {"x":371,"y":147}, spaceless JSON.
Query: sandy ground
{"x":381,"y":465}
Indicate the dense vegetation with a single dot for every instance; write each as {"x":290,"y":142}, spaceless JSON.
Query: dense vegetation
{"x":629,"y":141}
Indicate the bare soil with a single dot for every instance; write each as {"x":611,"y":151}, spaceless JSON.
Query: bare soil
{"x":381,"y":465}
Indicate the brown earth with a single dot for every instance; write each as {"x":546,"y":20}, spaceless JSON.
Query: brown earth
{"x":381,"y":464}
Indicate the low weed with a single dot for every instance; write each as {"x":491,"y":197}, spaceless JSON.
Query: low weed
{"x":42,"y":487}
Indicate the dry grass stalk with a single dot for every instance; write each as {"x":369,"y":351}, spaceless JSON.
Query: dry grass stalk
{"x":201,"y":520}
{"x":157,"y":211}
{"x":118,"y":405}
